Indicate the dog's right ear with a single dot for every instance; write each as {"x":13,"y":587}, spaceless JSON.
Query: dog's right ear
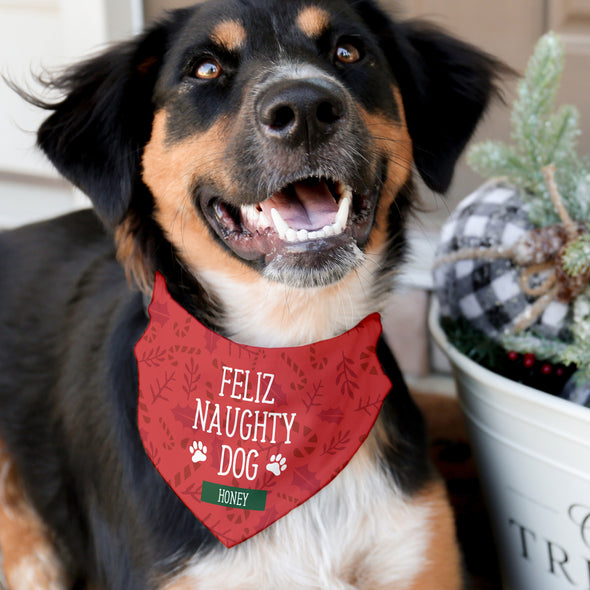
{"x":96,"y":133}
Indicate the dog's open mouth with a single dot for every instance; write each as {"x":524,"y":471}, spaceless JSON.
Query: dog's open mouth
{"x":310,"y":215}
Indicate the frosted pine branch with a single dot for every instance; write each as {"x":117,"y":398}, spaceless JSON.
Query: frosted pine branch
{"x":541,"y":136}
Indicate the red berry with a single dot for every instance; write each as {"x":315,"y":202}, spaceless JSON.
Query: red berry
{"x":546,"y":369}
{"x":559,"y":371}
{"x":513,"y":355}
{"x":529,"y":360}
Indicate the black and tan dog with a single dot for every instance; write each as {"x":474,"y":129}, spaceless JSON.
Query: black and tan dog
{"x":186,"y":139}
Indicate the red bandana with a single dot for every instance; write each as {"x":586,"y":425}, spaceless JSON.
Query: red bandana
{"x":243,"y":434}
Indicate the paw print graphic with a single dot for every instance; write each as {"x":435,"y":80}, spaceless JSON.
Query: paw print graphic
{"x":198,"y":451}
{"x":277,"y":464}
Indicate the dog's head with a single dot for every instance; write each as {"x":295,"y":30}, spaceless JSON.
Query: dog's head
{"x":266,"y":137}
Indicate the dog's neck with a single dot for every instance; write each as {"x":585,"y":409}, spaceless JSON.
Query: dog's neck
{"x":264,"y":313}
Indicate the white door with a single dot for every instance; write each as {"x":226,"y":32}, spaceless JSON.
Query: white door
{"x":37,"y":35}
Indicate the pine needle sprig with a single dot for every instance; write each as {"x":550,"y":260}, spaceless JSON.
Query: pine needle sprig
{"x":548,"y":349}
{"x":578,"y":352}
{"x":541,"y":136}
{"x":576,"y":259}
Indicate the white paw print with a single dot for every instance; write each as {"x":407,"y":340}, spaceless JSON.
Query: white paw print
{"x":277,"y":464}
{"x":199,"y":452}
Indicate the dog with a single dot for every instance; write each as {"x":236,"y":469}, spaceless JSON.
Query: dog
{"x":186,"y":139}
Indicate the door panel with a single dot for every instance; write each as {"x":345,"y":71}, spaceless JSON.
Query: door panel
{"x":38,"y":35}
{"x":571,"y":19}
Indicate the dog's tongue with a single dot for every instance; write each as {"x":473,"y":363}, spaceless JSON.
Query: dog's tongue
{"x":305,"y":205}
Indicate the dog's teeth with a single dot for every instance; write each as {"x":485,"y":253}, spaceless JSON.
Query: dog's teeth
{"x":251,"y":213}
{"x":263,"y":221}
{"x":280,"y":223}
{"x":342,"y":215}
{"x":255,"y":217}
{"x":342,"y":189}
{"x":302,"y":235}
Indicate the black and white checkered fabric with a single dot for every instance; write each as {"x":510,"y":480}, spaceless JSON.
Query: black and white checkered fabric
{"x":487,"y":292}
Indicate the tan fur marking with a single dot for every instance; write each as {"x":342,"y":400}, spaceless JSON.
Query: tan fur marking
{"x":229,"y":34}
{"x":29,"y":561}
{"x":138,"y":271}
{"x":442,"y":564}
{"x":393,"y":140}
{"x":169,"y":172}
{"x":313,"y":21}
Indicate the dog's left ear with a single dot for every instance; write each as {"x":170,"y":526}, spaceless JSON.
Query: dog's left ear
{"x":96,"y":133}
{"x":446,"y":86}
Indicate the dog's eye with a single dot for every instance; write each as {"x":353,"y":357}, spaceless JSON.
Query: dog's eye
{"x":208,"y":69}
{"x":347,"y":53}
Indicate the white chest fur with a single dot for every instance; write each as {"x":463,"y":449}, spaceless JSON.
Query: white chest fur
{"x":265,"y":313}
{"x":358,"y":533}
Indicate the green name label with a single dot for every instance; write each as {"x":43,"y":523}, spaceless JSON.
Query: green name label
{"x":214,"y":493}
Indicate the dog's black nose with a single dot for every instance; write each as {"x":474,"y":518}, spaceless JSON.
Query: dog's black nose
{"x":301,"y":111}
